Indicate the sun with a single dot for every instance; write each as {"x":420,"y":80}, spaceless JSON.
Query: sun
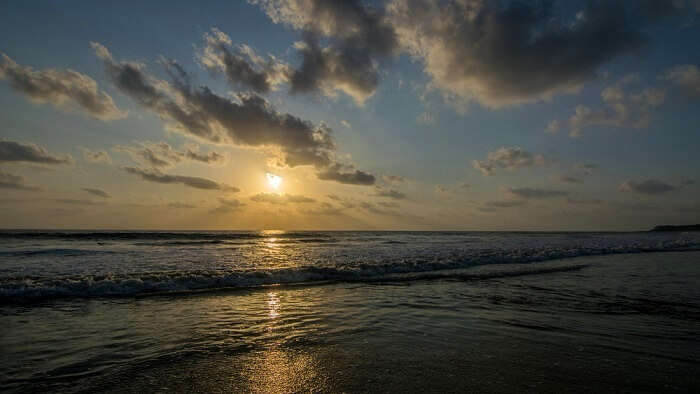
{"x":274,"y":180}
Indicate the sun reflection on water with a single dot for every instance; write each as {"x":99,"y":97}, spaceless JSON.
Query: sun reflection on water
{"x":273,"y":305}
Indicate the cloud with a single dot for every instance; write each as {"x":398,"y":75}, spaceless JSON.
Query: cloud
{"x":324,"y":209}
{"x":191,"y":181}
{"x":508,"y":158}
{"x":426,"y":118}
{"x":72,"y":201}
{"x":390,"y":193}
{"x":686,"y":77}
{"x":248,"y":121}
{"x":441,"y":189}
{"x":161,"y":154}
{"x":621,"y":109}
{"x":535,"y":193}
{"x":17,"y":182}
{"x":97,"y":192}
{"x":388,"y":204}
{"x":649,"y":186}
{"x":346,"y":124}
{"x":180,"y":205}
{"x":99,"y":156}
{"x":241,"y":65}
{"x":584,"y":201}
{"x":569,"y":179}
{"x":372,"y":208}
{"x":228,"y":205}
{"x":65,"y":89}
{"x":12,"y":151}
{"x":553,"y":127}
{"x":349,"y":176}
{"x":508,"y":53}
{"x":585,"y":168}
{"x":394,"y":179}
{"x":208,"y":158}
{"x":358,"y":38}
{"x":273,"y":198}
{"x":491,"y":206}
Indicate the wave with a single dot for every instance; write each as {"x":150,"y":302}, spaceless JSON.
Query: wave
{"x":29,"y":289}
{"x":155,"y":235}
{"x":54,"y":251}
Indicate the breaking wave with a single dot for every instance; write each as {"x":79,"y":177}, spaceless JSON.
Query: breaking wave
{"x":24,"y":289}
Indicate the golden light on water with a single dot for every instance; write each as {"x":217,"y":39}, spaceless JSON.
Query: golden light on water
{"x":274,"y":180}
{"x":273,"y":305}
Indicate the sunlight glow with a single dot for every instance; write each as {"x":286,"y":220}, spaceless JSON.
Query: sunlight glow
{"x":274,"y":180}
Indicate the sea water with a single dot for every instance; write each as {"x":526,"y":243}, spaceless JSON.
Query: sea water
{"x":274,"y":311}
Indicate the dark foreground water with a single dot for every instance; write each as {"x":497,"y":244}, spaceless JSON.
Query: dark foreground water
{"x":350,"y":312}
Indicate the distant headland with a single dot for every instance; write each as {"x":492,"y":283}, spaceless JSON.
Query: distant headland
{"x":689,"y":227}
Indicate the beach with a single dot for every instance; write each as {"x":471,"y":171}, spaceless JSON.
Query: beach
{"x":610,"y":323}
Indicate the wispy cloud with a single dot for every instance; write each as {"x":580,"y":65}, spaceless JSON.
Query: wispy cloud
{"x":191,"y":181}
{"x":97,"y":192}
{"x":649,"y":186}
{"x":508,"y":158}
{"x":273,"y":198}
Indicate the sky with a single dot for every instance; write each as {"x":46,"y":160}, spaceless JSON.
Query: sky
{"x":349,"y":114}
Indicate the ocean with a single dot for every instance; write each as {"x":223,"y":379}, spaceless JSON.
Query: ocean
{"x":298,"y":311}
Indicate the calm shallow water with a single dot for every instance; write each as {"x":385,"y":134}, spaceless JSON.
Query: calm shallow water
{"x":620,"y":322}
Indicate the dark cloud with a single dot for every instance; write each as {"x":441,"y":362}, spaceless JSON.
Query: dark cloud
{"x":390,"y":193}
{"x":250,"y":121}
{"x":505,"y":53}
{"x":347,"y":176}
{"x":99,"y":156}
{"x":649,"y":186}
{"x":27,"y":152}
{"x":241,"y":66}
{"x":66,"y":89}
{"x":273,"y":198}
{"x":191,"y":181}
{"x":359,"y":38}
{"x":208,"y":158}
{"x":508,"y":158}
{"x":97,"y":192}
{"x":534,"y":193}
{"x":17,"y":182}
